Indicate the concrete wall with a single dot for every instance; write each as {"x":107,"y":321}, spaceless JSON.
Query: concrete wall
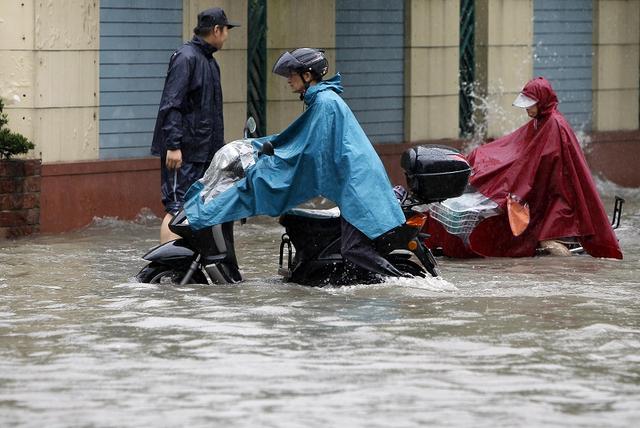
{"x":431,"y":69}
{"x":290,"y":24}
{"x":293,"y":24}
{"x":504,"y":33}
{"x":232,"y":59}
{"x":49,"y":56}
{"x":49,"y":61}
{"x":616,"y":66}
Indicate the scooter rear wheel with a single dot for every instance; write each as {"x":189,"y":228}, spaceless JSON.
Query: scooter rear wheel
{"x":161,"y":274}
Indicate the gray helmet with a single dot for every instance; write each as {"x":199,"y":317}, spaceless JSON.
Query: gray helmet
{"x":302,"y":60}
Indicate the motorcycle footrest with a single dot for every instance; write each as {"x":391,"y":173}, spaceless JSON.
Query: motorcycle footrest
{"x":286,"y":273}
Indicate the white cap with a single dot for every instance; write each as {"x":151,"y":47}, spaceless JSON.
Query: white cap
{"x":524,"y":101}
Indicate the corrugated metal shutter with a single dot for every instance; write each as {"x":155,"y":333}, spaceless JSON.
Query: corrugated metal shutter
{"x":563,"y":32}
{"x":370,"y":57}
{"x":137,"y":38}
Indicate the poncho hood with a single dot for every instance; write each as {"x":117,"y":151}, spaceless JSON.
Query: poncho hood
{"x":334,"y":84}
{"x":324,"y":152}
{"x":540,"y":90}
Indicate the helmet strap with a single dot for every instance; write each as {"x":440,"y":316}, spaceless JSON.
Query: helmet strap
{"x":306,"y":85}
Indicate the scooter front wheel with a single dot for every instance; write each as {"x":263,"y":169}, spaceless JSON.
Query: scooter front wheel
{"x":155,"y":273}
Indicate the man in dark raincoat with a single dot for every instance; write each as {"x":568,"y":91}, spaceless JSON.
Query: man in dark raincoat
{"x":189,"y":128}
{"x":539,"y":178}
{"x":324,"y":152}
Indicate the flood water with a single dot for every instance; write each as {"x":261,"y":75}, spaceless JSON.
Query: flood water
{"x":496,"y":342}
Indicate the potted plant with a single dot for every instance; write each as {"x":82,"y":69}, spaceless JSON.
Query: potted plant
{"x":11,"y":143}
{"x":19,"y":184}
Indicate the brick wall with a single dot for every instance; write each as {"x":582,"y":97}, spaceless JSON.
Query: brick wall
{"x":19,"y":197}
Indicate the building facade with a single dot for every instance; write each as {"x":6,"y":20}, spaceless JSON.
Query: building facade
{"x":89,"y":75}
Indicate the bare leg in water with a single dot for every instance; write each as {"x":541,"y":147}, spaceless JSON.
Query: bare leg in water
{"x":554,"y":248}
{"x":165,"y":234}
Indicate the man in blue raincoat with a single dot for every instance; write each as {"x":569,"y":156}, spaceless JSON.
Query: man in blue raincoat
{"x":324,"y":152}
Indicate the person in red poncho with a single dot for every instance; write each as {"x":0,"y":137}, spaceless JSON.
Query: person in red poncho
{"x":538,"y":177}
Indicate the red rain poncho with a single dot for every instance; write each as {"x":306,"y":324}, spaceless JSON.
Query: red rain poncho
{"x":541,"y":163}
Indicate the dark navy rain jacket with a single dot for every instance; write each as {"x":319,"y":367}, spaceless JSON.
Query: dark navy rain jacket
{"x":190,"y":113}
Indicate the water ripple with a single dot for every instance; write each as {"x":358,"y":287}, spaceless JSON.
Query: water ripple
{"x":499,"y":342}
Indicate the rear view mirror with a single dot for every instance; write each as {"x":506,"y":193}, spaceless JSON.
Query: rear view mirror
{"x":249,"y":127}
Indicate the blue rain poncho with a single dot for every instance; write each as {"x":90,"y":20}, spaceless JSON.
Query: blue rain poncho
{"x":324,"y":152}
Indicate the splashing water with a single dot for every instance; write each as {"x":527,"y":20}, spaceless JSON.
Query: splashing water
{"x":487,"y":112}
{"x":491,"y":120}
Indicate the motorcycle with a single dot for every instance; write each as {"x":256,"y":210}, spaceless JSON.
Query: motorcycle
{"x":210,"y":250}
{"x":310,"y":247}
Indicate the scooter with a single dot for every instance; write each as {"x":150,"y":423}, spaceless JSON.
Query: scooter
{"x":310,"y":245}
{"x":186,"y":259}
{"x":315,"y":235}
{"x":182,"y":261}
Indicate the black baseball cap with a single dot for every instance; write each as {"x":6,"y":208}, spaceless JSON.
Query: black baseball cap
{"x":214,"y":16}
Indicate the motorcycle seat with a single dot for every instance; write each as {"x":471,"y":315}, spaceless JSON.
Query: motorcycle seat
{"x":314,"y":214}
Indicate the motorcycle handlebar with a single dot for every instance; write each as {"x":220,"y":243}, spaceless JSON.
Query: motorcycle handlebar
{"x":267,"y":149}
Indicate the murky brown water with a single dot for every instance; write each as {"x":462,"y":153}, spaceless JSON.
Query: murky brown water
{"x":527,"y":342}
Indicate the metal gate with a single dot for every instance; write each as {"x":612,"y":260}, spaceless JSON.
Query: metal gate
{"x":257,"y":64}
{"x":467,"y":66}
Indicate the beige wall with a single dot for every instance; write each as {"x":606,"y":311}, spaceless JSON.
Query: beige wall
{"x":616,"y":64}
{"x":232,"y":59}
{"x":431,"y":69}
{"x":49,"y":61}
{"x":504,"y":52}
{"x":292,"y":24}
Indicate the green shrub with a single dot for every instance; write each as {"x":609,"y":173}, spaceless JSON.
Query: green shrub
{"x":11,"y":143}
